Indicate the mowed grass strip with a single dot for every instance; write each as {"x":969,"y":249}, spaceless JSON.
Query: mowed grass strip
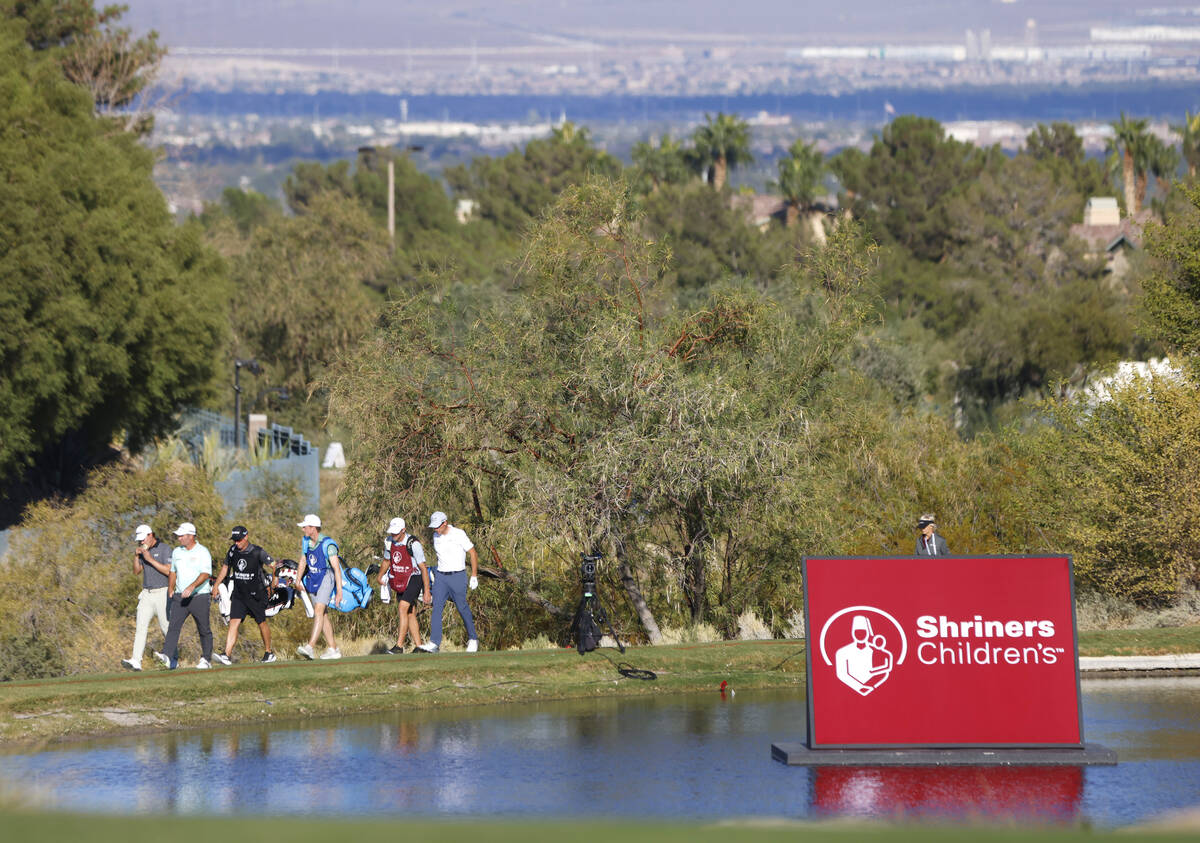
{"x":1140,"y":642}
{"x":80,"y":706}
{"x":199,"y":829}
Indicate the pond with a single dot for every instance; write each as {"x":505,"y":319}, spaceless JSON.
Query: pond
{"x":670,"y":757}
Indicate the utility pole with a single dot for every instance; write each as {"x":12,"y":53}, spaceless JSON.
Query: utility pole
{"x":391,"y":196}
{"x":253,"y":368}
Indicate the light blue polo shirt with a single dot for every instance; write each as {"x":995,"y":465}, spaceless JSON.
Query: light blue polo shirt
{"x":189,"y":564}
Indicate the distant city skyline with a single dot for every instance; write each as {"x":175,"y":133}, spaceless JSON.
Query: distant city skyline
{"x":668,"y":46}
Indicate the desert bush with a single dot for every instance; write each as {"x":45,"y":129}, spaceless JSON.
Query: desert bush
{"x":69,"y":578}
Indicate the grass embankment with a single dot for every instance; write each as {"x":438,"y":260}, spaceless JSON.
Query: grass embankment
{"x":159,"y":699}
{"x":26,"y":826}
{"x":79,"y":706}
{"x":1140,"y":642}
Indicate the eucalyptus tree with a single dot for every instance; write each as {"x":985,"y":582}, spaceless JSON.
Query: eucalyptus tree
{"x":585,"y":412}
{"x":721,"y":144}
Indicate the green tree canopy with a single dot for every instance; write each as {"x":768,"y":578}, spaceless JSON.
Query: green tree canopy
{"x":721,"y":144}
{"x":94,"y":53}
{"x":585,"y":411}
{"x":800,"y":173}
{"x":115,"y":313}
{"x":659,"y":164}
{"x":904,"y":186}
{"x":511,"y":192}
{"x":1172,"y":288}
{"x":1059,"y":149}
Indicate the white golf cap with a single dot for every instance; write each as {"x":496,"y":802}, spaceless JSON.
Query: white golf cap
{"x":396,"y":525}
{"x":187,"y":528}
{"x":437,"y":519}
{"x":310,"y":520}
{"x":141,"y":532}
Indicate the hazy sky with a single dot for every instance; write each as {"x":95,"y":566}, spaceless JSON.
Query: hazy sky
{"x":532,"y":23}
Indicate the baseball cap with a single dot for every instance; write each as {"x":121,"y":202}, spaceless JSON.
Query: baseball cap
{"x":141,"y":532}
{"x":437,"y":519}
{"x":396,"y":525}
{"x":310,"y":520}
{"x":187,"y":528}
{"x":239,"y":533}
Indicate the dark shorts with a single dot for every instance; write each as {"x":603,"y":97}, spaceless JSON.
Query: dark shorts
{"x":241,"y":605}
{"x":412,"y":592}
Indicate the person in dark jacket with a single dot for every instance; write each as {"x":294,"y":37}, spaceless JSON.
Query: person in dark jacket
{"x":929,"y":543}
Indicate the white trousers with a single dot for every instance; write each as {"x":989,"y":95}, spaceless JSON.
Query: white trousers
{"x":152,"y":603}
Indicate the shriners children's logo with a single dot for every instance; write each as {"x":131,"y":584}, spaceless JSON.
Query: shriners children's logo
{"x":867,"y":650}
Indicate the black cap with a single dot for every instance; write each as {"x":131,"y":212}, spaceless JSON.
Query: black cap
{"x":239,"y":533}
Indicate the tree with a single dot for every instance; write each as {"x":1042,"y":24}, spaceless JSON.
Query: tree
{"x":642,"y":422}
{"x":513,"y":191}
{"x":1189,"y":135}
{"x":1034,"y":306}
{"x":1116,"y":481}
{"x":660,"y":164}
{"x":117,"y":313}
{"x":721,"y":144}
{"x":903,"y":188}
{"x":1162,"y":162}
{"x":800,"y":174}
{"x":710,"y":241}
{"x":1172,"y":288}
{"x":94,"y":53}
{"x":1128,"y":146}
{"x":301,"y":288}
{"x":1059,"y":149}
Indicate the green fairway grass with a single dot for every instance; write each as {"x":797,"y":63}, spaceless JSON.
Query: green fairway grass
{"x":21,"y":826}
{"x":156,"y":699}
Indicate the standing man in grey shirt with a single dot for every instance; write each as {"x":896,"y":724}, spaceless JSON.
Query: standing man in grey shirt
{"x":151,"y":559}
{"x":929,"y":543}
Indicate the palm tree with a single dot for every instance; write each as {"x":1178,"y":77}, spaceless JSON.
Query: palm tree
{"x":660,"y":164}
{"x":1129,"y":143}
{"x":800,"y":173}
{"x":1162,"y":160}
{"x":1189,"y":133}
{"x":723,"y":142}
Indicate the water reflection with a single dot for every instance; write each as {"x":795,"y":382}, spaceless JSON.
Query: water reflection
{"x":667,"y":757}
{"x":1048,"y":794}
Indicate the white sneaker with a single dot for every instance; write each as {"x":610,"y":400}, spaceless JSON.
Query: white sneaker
{"x":131,"y":664}
{"x":306,"y":650}
{"x":472,"y":646}
{"x":332,"y":653}
{"x":222,"y":658}
{"x":162,"y":657}
{"x":203,"y":664}
{"x":428,"y":647}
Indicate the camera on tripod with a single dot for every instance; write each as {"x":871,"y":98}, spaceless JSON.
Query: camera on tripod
{"x":590,"y":615}
{"x":587,"y":572}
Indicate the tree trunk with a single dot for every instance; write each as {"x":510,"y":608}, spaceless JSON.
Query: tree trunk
{"x":530,"y":595}
{"x":1127,"y":181}
{"x":790,"y":214}
{"x":1140,"y":180}
{"x":695,"y":567}
{"x":719,"y":171}
{"x":635,"y":594}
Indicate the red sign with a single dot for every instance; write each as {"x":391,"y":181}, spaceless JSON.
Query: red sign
{"x":941,"y":652}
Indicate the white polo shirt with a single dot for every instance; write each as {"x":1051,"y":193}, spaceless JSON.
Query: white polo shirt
{"x":451,"y":550}
{"x":189,"y":564}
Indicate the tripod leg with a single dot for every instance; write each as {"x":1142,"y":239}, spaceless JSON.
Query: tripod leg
{"x":603,"y":615}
